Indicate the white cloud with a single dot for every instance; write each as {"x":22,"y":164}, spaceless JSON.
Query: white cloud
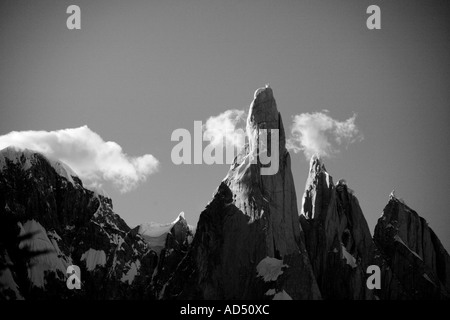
{"x":92,"y":158}
{"x":319,"y":134}
{"x":224,"y":128}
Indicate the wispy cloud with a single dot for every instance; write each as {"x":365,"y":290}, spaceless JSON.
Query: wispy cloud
{"x":92,"y":158}
{"x":226,"y":128}
{"x":319,"y":134}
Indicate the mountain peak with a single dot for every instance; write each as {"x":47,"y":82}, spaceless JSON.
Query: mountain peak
{"x":155,"y":234}
{"x":266,"y":90}
{"x":407,"y":239}
{"x":392,"y":195}
{"x":263,"y":110}
{"x":316,"y":165}
{"x":263,"y":114}
{"x":13,"y":153}
{"x":252,"y":216}
{"x":181,"y":216}
{"x":28,"y":158}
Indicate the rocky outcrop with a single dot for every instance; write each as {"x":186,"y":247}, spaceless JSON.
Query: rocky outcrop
{"x":337,"y":236}
{"x":251,"y":217}
{"x":413,"y":253}
{"x":176,"y":245}
{"x":50,"y":221}
{"x":158,"y":236}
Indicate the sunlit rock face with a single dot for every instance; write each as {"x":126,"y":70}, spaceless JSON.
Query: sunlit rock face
{"x":252,"y":216}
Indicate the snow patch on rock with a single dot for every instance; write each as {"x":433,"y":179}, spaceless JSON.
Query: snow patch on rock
{"x":7,"y":282}
{"x":283,"y":295}
{"x":94,"y":258}
{"x":43,"y":263}
{"x":398,"y":239}
{"x":54,"y":235}
{"x":270,"y":292}
{"x":270,"y":268}
{"x":132,"y":272}
{"x":428,"y":278}
{"x":350,"y":260}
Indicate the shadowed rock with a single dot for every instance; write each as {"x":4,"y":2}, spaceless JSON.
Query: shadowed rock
{"x":337,"y":236}
{"x":413,"y":253}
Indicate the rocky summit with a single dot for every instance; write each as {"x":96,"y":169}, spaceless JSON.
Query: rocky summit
{"x":251,"y":217}
{"x":413,"y":253}
{"x":337,"y":236}
{"x":252,"y":241}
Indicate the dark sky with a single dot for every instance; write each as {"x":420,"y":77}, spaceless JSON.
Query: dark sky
{"x":137,"y":70}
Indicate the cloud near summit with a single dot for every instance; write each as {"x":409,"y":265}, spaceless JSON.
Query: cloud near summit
{"x":92,"y":158}
{"x":226,"y":128}
{"x":319,"y":134}
{"x":311,"y":133}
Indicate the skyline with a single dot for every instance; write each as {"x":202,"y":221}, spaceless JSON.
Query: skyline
{"x":136,"y":72}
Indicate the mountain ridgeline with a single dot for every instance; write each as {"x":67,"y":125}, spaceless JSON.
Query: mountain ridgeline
{"x":252,"y":241}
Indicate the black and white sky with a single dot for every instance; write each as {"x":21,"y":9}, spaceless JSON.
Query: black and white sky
{"x":106,"y":98}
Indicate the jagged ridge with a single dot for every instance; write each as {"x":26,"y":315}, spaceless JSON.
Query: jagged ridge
{"x":250,"y":241}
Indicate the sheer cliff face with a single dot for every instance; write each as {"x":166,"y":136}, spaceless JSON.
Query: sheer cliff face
{"x":176,"y":244}
{"x":337,"y":236}
{"x":252,"y":216}
{"x":413,"y":252}
{"x":269,"y":198}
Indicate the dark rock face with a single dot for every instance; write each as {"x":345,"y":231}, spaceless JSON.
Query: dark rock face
{"x":71,"y":225}
{"x":251,"y":217}
{"x":337,"y":236}
{"x":412,"y":261}
{"x":413,"y":253}
{"x":177,"y":244}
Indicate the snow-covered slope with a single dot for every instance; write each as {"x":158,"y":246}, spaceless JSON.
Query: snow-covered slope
{"x":16,"y":155}
{"x":26,"y":158}
{"x":155,"y":234}
{"x":53,"y":261}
